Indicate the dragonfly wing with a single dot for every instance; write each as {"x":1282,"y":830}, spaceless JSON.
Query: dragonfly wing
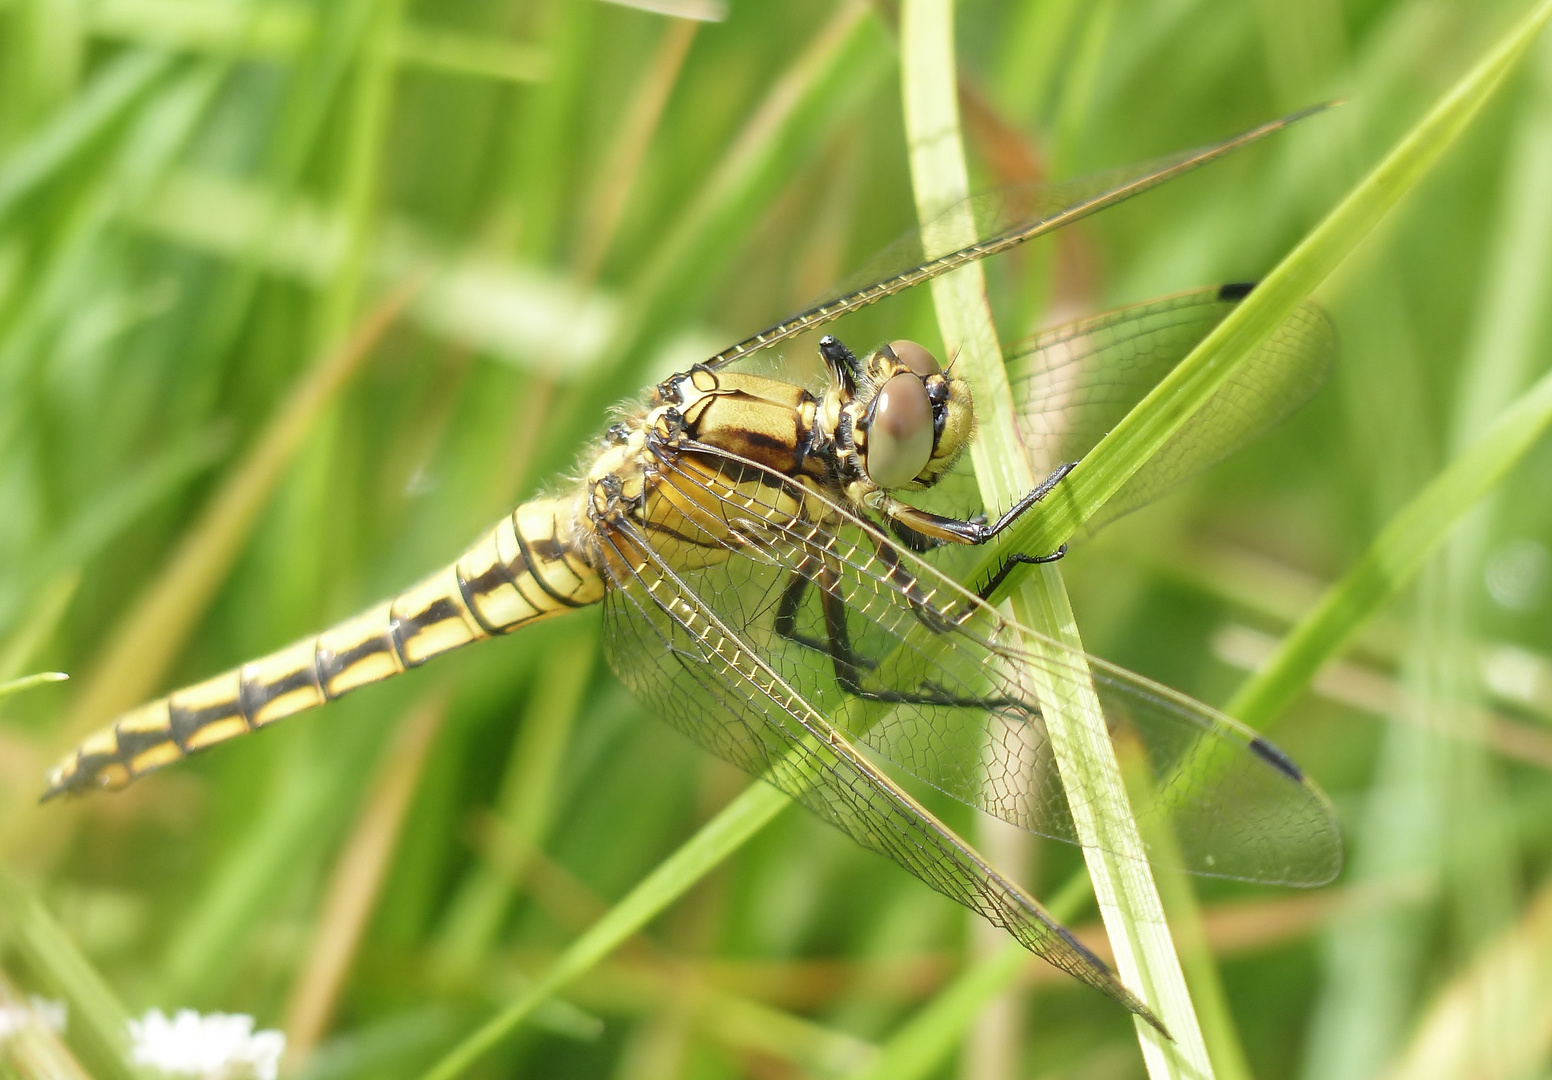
{"x":678,"y":641}
{"x":1001,"y":220}
{"x":1072,"y":384}
{"x":949,"y":690}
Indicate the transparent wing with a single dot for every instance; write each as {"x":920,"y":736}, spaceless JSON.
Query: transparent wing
{"x":1072,"y":384}
{"x":947,"y":689}
{"x":1001,"y":220}
{"x":688,"y":646}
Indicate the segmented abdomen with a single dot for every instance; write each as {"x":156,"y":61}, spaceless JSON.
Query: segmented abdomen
{"x":529,"y":567}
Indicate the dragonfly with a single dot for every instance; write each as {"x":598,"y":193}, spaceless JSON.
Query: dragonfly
{"x":768,"y":589}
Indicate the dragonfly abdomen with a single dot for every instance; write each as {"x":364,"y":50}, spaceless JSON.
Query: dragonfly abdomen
{"x":529,"y":567}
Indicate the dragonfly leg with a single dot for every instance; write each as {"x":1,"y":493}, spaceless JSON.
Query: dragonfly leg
{"x":1042,"y":489}
{"x":947,"y":530}
{"x":1009,"y":562}
{"x":849,"y":665}
{"x":913,"y":540}
{"x":786,"y":622}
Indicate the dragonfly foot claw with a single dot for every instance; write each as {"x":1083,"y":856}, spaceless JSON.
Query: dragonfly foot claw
{"x":985,"y":591}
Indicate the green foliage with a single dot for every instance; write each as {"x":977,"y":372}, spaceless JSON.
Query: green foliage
{"x":295,"y":298}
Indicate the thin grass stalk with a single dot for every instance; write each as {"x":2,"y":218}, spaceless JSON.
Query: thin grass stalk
{"x":354,"y":886}
{"x":27,"y":682}
{"x":1483,"y":861}
{"x":114,"y":92}
{"x":525,"y":806}
{"x":1371,"y":690}
{"x":54,"y":573}
{"x":1197,"y":962}
{"x":371,"y":101}
{"x":285,"y":32}
{"x":751,"y":154}
{"x":235,"y":892}
{"x":746,"y":1025}
{"x":467,"y":55}
{"x":746,"y":815}
{"x":35,"y":1050}
{"x":47,"y":611}
{"x":920,"y":1046}
{"x":644,"y":973}
{"x":1396,"y":554}
{"x":289,"y":820}
{"x":995,"y":1045}
{"x":156,"y":134}
{"x":1112,"y":847}
{"x":1113,"y":461}
{"x":1435,"y":808}
{"x":94,"y":1008}
{"x":145,"y":644}
{"x":816,"y":92}
{"x":1493,"y":1021}
{"x":621,"y":169}
{"x":301,"y":117}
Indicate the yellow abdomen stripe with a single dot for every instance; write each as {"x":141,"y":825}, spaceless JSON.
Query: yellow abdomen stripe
{"x":525,"y":569}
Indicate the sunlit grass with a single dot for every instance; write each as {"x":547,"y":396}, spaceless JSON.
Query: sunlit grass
{"x":203,"y":209}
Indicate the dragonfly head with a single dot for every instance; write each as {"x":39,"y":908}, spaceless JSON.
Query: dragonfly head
{"x":915,"y":419}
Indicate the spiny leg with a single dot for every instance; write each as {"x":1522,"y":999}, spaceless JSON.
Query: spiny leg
{"x":1009,"y":562}
{"x":849,"y":665}
{"x":786,"y":622}
{"x":941,"y":529}
{"x":1044,"y":488}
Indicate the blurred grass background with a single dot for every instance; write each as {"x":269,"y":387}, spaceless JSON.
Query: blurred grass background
{"x":297,"y":298}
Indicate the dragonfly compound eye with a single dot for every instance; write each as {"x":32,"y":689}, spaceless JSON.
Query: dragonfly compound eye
{"x":900,"y":434}
{"x":916,"y":357}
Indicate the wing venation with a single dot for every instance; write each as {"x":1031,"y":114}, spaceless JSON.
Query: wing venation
{"x":944,"y":687}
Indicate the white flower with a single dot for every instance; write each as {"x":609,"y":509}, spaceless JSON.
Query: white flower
{"x":38,"y":1012}
{"x":213,"y":1047}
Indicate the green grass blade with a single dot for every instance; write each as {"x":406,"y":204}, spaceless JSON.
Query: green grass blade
{"x":278,"y":30}
{"x":464,"y":54}
{"x":148,"y":641}
{"x":1395,"y":555}
{"x":1495,"y":1017}
{"x":291,"y":821}
{"x":726,"y":833}
{"x":284,"y":31}
{"x":1433,"y":811}
{"x":155,"y":134}
{"x":356,"y":880}
{"x":42,"y":621}
{"x":1196,"y":378}
{"x":94,"y":1008}
{"x":923,"y":1044}
{"x":104,"y":519}
{"x":33,"y":1049}
{"x":1112,"y":847}
{"x":525,"y":803}
{"x":524,"y":314}
{"x":116,"y":90}
{"x":819,"y":90}
{"x":369,"y":106}
{"x":27,"y":682}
